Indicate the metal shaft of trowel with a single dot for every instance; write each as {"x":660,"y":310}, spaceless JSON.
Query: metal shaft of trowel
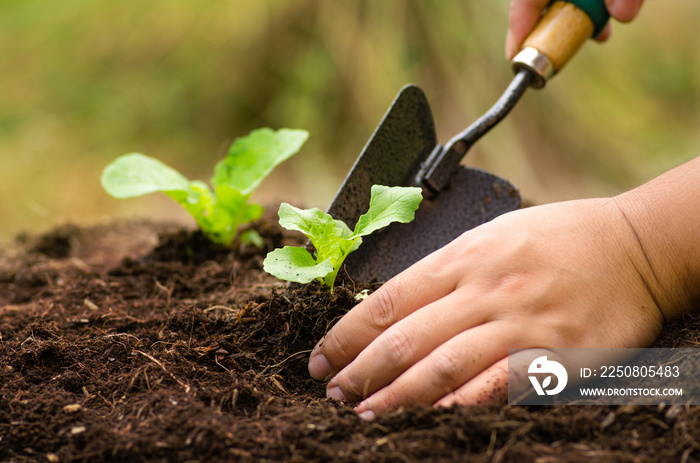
{"x":437,"y":169}
{"x":564,"y":27}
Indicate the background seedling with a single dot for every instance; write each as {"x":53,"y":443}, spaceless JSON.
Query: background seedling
{"x":220,"y":211}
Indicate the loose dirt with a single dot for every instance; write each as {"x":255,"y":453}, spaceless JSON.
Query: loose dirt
{"x":145,"y":342}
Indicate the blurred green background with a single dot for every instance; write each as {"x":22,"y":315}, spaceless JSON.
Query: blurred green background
{"x":83,"y":81}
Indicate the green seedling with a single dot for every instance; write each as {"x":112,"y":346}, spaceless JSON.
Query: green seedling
{"x":220,"y":211}
{"x":332,"y":239}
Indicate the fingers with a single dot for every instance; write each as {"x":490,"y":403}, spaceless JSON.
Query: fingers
{"x":524,"y":14}
{"x":447,"y":369}
{"x":604,"y":34}
{"x":404,"y":344}
{"x":522,"y":17}
{"x":508,"y":375}
{"x":424,"y":282}
{"x":624,"y":10}
{"x":490,"y":387}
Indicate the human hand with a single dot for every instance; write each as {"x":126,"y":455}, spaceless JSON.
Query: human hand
{"x":524,"y":14}
{"x":562,"y":275}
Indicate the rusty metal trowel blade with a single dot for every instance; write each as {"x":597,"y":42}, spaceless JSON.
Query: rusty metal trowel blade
{"x":472,"y":198}
{"x":392,"y":157}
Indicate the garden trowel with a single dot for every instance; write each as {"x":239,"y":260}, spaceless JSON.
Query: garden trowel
{"x":404,"y":151}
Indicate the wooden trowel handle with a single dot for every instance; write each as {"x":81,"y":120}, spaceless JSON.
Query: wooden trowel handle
{"x":562,"y":30}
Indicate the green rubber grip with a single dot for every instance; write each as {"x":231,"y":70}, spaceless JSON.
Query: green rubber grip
{"x":596,"y":10}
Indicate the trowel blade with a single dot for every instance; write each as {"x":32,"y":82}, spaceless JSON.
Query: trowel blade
{"x":392,"y":157}
{"x":403,"y":140}
{"x":473,"y":197}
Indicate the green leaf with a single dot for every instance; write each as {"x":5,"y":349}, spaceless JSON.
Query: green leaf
{"x":252,"y":237}
{"x":137,"y":174}
{"x":197,"y":196}
{"x":333,"y":239}
{"x":251,"y":212}
{"x":322,"y":229}
{"x":295,"y":264}
{"x":232,"y":201}
{"x":387,"y":205}
{"x":203,"y":205}
{"x":251,"y":158}
{"x":218,"y":212}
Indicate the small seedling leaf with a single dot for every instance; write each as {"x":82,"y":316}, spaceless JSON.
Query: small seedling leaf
{"x":332,"y":239}
{"x":252,"y":237}
{"x":136,"y":174}
{"x":322,"y":229}
{"x":295,"y":264}
{"x":387,"y":205}
{"x":250,"y":159}
{"x":221,"y":211}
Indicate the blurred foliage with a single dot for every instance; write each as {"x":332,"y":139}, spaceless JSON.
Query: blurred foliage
{"x":84,"y":81}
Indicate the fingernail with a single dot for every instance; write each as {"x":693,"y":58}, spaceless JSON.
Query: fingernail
{"x":367,"y":415}
{"x":319,"y":368}
{"x":335,"y":393}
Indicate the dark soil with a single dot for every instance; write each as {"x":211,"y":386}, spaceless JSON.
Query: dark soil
{"x":142,"y":342}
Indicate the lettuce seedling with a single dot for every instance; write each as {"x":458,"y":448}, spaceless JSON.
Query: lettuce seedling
{"x":220,"y":211}
{"x":332,"y":239}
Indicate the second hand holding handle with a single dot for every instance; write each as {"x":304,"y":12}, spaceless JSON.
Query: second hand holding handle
{"x":562,"y":30}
